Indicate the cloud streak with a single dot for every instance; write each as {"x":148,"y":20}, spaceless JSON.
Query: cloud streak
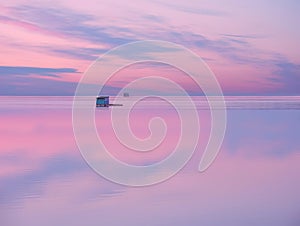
{"x":68,"y":23}
{"x":25,"y":71}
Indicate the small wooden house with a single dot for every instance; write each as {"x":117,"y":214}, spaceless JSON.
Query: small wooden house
{"x":102,"y":101}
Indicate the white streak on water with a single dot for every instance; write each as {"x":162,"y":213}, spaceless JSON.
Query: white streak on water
{"x":232,"y":102}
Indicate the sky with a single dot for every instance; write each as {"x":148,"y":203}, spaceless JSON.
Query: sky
{"x":252,"y":47}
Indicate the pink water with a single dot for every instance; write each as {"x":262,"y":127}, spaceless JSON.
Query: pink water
{"x":45,"y":181}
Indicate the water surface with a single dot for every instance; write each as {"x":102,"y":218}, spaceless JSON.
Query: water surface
{"x":254,"y":180}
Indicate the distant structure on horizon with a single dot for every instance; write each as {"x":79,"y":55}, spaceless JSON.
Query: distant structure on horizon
{"x":102,"y":101}
{"x":125,"y":94}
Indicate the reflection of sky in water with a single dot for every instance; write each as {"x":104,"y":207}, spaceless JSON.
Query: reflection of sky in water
{"x":254,"y":180}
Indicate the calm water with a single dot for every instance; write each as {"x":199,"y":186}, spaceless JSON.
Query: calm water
{"x":254,"y":180}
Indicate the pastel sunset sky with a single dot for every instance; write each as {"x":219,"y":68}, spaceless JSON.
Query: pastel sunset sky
{"x":251,"y":46}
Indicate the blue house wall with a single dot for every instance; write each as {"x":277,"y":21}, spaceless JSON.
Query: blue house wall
{"x":102,"y":101}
